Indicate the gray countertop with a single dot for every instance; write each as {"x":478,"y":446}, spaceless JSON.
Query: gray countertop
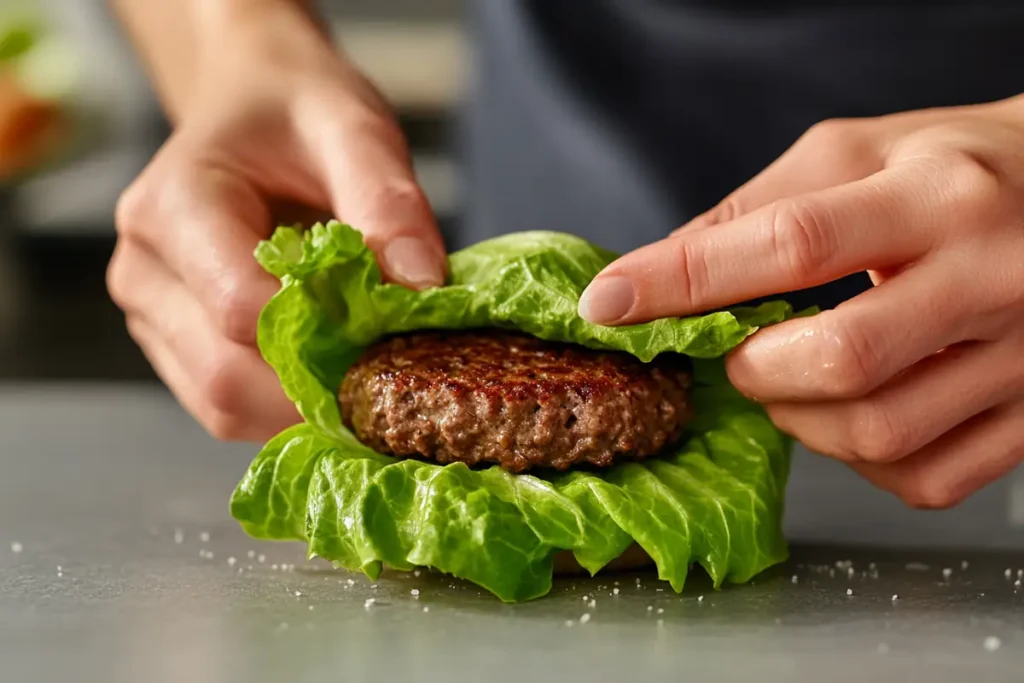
{"x":109,"y":492}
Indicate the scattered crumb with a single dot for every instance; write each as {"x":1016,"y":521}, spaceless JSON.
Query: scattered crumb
{"x":232,"y":561}
{"x":16,"y":547}
{"x":946,"y":573}
{"x":261,"y":558}
{"x":700,"y":598}
{"x":615,"y":591}
{"x":794,"y":578}
{"x":298,"y":594}
{"x":350,"y":582}
{"x":204,"y":536}
{"x":592,"y":604}
{"x":416,"y":573}
{"x":369,"y":602}
{"x":426,"y":609}
{"x":661,"y":610}
{"x":650,"y":608}
{"x":895,"y":597}
{"x":251,"y":554}
{"x":415,"y":592}
{"x":849,"y":591}
{"x":374,"y":586}
{"x":273,"y":567}
{"x":992,"y":644}
{"x":585,"y":617}
{"x":1017,"y":583}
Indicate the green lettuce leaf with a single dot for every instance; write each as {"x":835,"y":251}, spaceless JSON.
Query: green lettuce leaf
{"x":716,"y":499}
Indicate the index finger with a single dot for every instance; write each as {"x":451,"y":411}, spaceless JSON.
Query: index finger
{"x":788,"y":245}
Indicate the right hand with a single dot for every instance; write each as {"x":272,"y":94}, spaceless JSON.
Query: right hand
{"x":282,"y":121}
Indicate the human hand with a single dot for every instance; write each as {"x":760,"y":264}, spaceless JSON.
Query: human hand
{"x":918,"y":383}
{"x":281,"y":123}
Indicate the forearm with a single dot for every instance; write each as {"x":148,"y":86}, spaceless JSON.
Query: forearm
{"x":184,"y":44}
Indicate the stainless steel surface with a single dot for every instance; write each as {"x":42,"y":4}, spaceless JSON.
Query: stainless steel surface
{"x":98,"y":485}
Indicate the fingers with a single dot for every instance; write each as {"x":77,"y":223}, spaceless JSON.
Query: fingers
{"x":204,"y":223}
{"x":788,"y":245}
{"x":225,"y":385}
{"x":949,"y":470}
{"x":916,"y":408}
{"x":849,"y":351}
{"x":829,"y":154}
{"x":368,"y":172}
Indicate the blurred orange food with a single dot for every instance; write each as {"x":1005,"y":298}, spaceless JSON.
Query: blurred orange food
{"x":29,"y":127}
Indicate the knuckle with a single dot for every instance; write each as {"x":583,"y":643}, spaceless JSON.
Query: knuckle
{"x":236,"y":312}
{"x":694,"y":286}
{"x":800,"y":238}
{"x":115,"y":280}
{"x":849,"y":362}
{"x":729,"y":209}
{"x":223,"y":386}
{"x":224,"y":426}
{"x":877,"y":435}
{"x":130,"y":212}
{"x":829,"y":133}
{"x":971,"y":188}
{"x":931,"y":493}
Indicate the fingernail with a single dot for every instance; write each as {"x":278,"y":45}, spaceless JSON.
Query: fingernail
{"x":412,"y":262}
{"x":607,"y":300}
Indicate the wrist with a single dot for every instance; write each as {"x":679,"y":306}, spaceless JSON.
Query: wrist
{"x":244,"y":46}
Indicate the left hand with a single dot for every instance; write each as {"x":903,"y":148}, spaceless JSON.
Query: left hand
{"x":917,"y":383}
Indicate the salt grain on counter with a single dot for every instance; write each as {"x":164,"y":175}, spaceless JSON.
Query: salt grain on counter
{"x":261,"y":559}
{"x":946,"y":573}
{"x":204,"y":536}
{"x":895,"y":597}
{"x":992,"y":644}
{"x":661,"y":610}
{"x":849,"y":591}
{"x":426,"y":609}
{"x":251,"y":554}
{"x":232,"y":561}
{"x":351,"y":582}
{"x":650,"y":608}
{"x":298,"y":594}
{"x":585,"y":618}
{"x":16,"y":548}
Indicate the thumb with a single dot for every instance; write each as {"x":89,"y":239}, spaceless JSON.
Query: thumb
{"x":367,"y":172}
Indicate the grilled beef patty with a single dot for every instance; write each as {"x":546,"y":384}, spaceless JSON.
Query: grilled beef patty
{"x":496,"y":397}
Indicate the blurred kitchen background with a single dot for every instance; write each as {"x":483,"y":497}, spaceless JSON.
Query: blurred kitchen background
{"x":72,"y":90}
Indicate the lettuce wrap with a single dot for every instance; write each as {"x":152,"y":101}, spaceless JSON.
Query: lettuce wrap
{"x":715,"y":499}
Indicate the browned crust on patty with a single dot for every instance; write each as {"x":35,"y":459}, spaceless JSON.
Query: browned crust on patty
{"x":503,"y":398}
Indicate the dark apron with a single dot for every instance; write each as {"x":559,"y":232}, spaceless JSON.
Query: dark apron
{"x":619,"y":120}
